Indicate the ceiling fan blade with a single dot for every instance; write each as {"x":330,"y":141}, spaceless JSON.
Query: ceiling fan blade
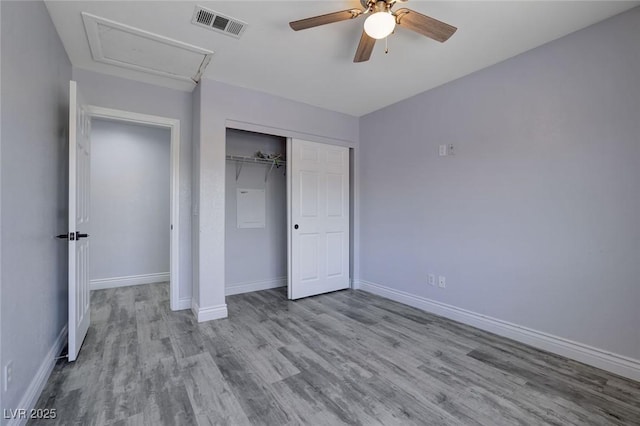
{"x":365,"y":47}
{"x":424,"y":25}
{"x":329,"y":18}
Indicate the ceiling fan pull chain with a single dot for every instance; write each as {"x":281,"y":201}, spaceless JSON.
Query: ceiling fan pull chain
{"x":386,"y":44}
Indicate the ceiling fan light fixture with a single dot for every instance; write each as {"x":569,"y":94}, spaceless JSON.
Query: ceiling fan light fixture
{"x":379,"y":25}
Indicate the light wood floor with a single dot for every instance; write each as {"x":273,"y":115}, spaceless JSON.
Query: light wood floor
{"x":342,"y":358}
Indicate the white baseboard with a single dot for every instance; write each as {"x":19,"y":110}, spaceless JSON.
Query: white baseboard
{"x":31,"y":395}
{"x":102,"y":283}
{"x":209,"y":313}
{"x":246,"y":287}
{"x":618,"y":364}
{"x":184,"y":303}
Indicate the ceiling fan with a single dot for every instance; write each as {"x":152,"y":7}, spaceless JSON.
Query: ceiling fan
{"x":381,"y":24}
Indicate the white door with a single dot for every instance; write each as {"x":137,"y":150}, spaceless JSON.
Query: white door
{"x":319,"y":226}
{"x":79,"y":156}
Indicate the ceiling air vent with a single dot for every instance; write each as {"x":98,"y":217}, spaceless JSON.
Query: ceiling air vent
{"x":215,"y":21}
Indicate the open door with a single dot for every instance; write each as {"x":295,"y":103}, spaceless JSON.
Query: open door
{"x":319,"y":218}
{"x":79,"y":163}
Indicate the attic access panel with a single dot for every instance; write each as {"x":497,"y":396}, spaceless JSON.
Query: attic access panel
{"x":128,"y":47}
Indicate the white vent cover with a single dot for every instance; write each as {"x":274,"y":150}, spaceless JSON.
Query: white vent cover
{"x":215,"y":21}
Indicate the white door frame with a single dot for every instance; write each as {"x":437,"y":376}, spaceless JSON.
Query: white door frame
{"x":174,"y":126}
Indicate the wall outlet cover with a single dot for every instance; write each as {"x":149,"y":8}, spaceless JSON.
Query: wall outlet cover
{"x":8,"y":375}
{"x":442,"y":282}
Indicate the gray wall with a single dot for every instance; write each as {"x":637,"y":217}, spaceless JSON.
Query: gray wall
{"x":113,"y":92}
{"x":535,"y":218}
{"x":225,"y":106}
{"x":130,"y":206}
{"x":35,"y":97}
{"x":255,"y":254}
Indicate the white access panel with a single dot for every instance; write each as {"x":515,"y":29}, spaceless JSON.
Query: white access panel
{"x":251,"y":208}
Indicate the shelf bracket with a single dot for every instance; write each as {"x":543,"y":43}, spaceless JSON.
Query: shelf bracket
{"x":266,"y":176}
{"x":238,"y":168}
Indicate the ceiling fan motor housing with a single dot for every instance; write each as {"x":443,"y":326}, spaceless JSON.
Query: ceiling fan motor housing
{"x":377,"y":6}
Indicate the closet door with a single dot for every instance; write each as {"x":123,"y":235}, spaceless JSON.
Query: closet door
{"x":319,"y":218}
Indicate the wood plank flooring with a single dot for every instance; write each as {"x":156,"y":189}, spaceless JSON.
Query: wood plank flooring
{"x":343,"y":358}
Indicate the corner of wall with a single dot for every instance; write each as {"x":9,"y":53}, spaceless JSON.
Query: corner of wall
{"x":209,"y":313}
{"x":1,"y":120}
{"x":195,"y":193}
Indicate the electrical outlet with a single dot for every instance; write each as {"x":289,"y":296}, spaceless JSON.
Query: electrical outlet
{"x":8,"y":375}
{"x":442,"y":282}
{"x":442,"y":150}
{"x":431,"y":279}
{"x":450,"y":150}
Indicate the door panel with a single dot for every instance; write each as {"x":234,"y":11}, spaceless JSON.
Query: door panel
{"x":335,"y":195}
{"x":335,"y":255}
{"x":309,"y":193}
{"x":309,"y":252}
{"x":309,"y":154}
{"x":319,"y":234}
{"x":79,"y":173}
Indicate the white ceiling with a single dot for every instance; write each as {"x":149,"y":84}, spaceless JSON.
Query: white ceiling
{"x":315,"y":66}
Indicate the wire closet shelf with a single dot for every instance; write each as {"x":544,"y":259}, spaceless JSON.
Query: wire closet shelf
{"x":241,"y":159}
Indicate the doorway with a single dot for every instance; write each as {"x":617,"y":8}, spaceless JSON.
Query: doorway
{"x":255,"y":212}
{"x":129,"y":204}
{"x":152,"y":269}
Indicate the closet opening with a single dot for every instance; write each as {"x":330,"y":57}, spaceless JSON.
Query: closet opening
{"x":255,"y":212}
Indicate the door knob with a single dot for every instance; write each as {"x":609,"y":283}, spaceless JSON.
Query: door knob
{"x":295,"y":226}
{"x":62,"y":236}
{"x":79,"y":235}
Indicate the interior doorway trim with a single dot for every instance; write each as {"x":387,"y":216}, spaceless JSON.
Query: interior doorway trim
{"x":174,"y":126}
